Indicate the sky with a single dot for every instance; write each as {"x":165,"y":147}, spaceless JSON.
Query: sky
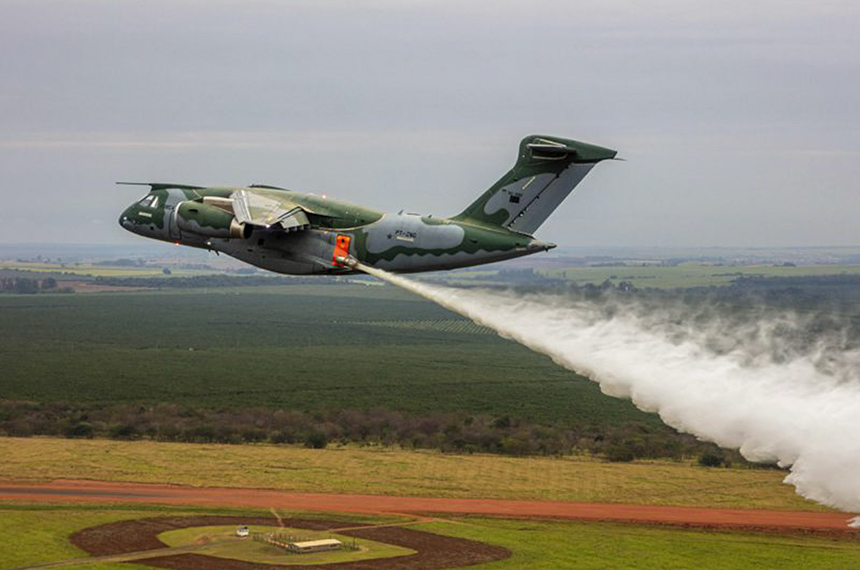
{"x":738,"y":120}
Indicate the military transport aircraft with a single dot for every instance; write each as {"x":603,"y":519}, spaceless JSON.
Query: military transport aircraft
{"x":292,"y":232}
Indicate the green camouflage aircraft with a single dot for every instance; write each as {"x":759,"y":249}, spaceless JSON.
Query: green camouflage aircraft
{"x":292,"y":232}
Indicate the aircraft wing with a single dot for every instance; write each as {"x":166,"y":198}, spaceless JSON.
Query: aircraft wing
{"x":262,"y":210}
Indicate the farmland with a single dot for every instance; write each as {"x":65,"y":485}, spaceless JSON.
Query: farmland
{"x":385,"y":470}
{"x":213,"y":364}
{"x":90,"y":269}
{"x":690,"y":274}
{"x":651,"y":274}
{"x":549,"y":545}
{"x":293,"y":347}
{"x":41,"y":535}
{"x":257,"y":351}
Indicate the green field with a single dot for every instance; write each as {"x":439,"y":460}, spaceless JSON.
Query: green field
{"x":84,"y":269}
{"x":255,"y":551}
{"x":690,"y":274}
{"x":554,"y":545}
{"x":39,"y":534}
{"x":642,"y":275}
{"x":108,"y":359}
{"x":294,"y":347}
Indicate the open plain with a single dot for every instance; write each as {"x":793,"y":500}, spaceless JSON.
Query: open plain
{"x":522,"y":512}
{"x":149,"y":387}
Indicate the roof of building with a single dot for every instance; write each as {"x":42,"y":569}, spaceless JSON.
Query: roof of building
{"x":313,"y":543}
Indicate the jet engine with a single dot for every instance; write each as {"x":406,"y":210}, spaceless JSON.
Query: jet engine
{"x":210,"y":221}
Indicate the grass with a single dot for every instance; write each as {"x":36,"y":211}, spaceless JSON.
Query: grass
{"x":289,"y":347}
{"x":690,"y":274}
{"x":559,"y":545}
{"x":39,"y":534}
{"x":92,"y":270}
{"x":253,"y":551}
{"x":389,"y":471}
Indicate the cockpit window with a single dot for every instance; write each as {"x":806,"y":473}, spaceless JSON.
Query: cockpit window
{"x":149,"y":201}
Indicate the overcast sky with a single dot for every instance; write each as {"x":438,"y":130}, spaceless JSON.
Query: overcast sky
{"x":739,"y":120}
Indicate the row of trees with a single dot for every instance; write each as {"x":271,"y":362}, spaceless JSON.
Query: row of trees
{"x":459,"y":433}
{"x":26,"y":286}
{"x":214,"y":280}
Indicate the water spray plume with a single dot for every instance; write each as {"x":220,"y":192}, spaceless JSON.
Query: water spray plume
{"x":739,"y":384}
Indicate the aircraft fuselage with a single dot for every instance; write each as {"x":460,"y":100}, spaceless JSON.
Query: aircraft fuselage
{"x":292,"y":232}
{"x":402,"y":243}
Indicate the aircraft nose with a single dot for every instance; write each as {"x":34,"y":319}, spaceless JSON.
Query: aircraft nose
{"x":124,"y":220}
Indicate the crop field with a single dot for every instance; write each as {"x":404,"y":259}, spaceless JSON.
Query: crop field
{"x":92,"y":270}
{"x":41,"y":535}
{"x":294,"y":347}
{"x":690,"y":274}
{"x":456,"y":326}
{"x":383,"y":471}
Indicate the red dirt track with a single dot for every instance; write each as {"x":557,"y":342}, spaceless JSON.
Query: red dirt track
{"x":107,"y":492}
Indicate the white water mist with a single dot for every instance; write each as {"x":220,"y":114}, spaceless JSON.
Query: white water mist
{"x":731,"y":383}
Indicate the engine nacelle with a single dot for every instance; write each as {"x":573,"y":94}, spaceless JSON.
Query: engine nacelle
{"x":209,"y":221}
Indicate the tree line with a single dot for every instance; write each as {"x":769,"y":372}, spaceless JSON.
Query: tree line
{"x":27,"y":286}
{"x":448,"y":432}
{"x":214,"y":280}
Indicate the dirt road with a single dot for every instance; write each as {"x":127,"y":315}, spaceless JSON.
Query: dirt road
{"x":105,"y":492}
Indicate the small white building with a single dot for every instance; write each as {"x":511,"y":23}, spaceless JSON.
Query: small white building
{"x":243,"y":531}
{"x":314,"y":546}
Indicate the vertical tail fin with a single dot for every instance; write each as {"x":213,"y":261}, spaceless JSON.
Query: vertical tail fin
{"x":546,"y":171}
